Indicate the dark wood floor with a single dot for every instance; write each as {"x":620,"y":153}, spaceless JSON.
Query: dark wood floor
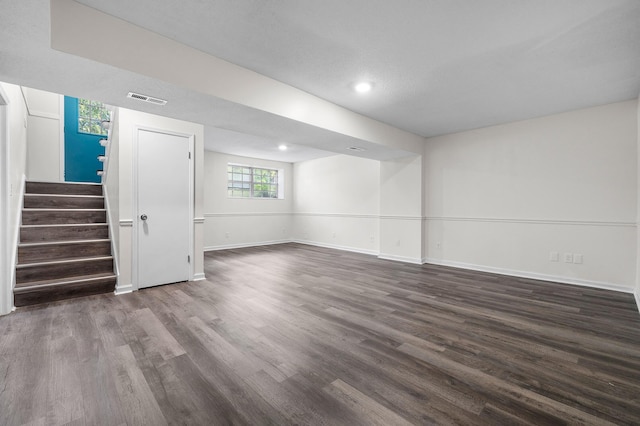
{"x":293,"y":334}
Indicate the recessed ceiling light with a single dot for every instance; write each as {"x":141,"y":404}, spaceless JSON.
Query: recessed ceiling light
{"x":355,"y":148}
{"x":362,"y":87}
{"x":282,"y":147}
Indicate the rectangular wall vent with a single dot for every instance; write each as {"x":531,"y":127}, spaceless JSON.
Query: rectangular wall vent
{"x":146,"y":98}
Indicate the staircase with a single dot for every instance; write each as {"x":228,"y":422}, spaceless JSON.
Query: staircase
{"x":64,"y":248}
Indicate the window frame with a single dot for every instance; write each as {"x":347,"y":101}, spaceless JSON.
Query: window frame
{"x":278,"y":184}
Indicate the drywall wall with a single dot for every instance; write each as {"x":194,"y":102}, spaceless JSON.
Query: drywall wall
{"x":637,"y":291}
{"x":236,"y":222}
{"x":506,"y":198}
{"x":111,"y":188}
{"x":14,"y":166}
{"x":337,"y":203}
{"x":128,"y":122}
{"x":45,"y":162}
{"x":401,"y":209}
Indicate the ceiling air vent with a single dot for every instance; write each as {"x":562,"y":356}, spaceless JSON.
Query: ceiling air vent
{"x":146,"y":98}
{"x":355,"y":148}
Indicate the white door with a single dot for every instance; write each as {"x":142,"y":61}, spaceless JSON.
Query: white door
{"x":163,"y":220}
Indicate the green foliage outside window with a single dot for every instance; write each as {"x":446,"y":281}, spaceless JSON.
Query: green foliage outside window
{"x":90,"y":116}
{"x":251,"y":182}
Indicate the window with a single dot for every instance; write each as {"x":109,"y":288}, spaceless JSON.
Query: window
{"x":90,"y":116}
{"x":253,"y":182}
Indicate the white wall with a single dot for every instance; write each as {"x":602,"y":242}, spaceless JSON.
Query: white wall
{"x":637,"y":291}
{"x":15,"y":148}
{"x":111,"y":182}
{"x":236,"y":222}
{"x":502,"y":198}
{"x":401,"y":209}
{"x":337,"y":203}
{"x":127,"y":123}
{"x":44,"y":140}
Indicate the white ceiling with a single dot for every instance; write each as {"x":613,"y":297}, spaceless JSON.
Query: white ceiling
{"x":437,"y":66}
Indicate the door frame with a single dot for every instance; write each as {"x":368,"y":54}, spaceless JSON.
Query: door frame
{"x":6,"y":276}
{"x":134,"y":204}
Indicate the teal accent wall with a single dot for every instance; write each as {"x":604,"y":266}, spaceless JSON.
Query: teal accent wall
{"x":81,"y":150}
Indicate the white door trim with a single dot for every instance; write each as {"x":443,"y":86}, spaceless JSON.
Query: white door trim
{"x":61,"y":115}
{"x":134,"y":204}
{"x":6,"y":284}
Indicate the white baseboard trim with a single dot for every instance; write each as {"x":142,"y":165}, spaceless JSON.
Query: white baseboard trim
{"x":530,"y":275}
{"x":199,"y":277}
{"x":123,"y":289}
{"x":245,"y":245}
{"x":337,"y":247}
{"x":413,"y":260}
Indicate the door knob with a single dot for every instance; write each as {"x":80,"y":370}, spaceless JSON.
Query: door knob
{"x":143,"y":217}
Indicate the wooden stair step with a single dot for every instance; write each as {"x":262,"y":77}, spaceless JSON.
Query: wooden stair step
{"x":63,"y":216}
{"x":63,"y":188}
{"x":60,"y":250}
{"x":59,"y":269}
{"x":64,"y":232}
{"x":53,"y":290}
{"x":34,"y":201}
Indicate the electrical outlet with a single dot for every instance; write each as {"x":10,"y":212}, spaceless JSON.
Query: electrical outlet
{"x":577,"y":258}
{"x":568,"y":258}
{"x":554,"y":256}
{"x":438,"y":245}
{"x":226,"y":235}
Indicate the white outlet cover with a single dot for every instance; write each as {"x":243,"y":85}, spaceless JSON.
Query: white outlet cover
{"x":554,"y":256}
{"x":568,"y":258}
{"x":577,"y":258}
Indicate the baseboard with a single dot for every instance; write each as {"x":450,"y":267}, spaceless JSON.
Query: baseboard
{"x":123,"y":289}
{"x":199,"y":277}
{"x":246,"y":245}
{"x":530,"y":275}
{"x":413,"y":260}
{"x":337,"y":247}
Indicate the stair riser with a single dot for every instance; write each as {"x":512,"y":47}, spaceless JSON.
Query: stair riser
{"x":64,"y":270}
{"x":62,"y":217}
{"x":62,"y":188}
{"x":63,"y":233}
{"x":48,"y":202}
{"x":63,"y":251}
{"x":68,"y":291}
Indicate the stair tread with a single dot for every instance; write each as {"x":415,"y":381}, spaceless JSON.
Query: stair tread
{"x":61,"y":281}
{"x":50,"y":243}
{"x":38,"y":194}
{"x":49,"y":209}
{"x":61,"y":261}
{"x":65,"y":183}
{"x":64,"y":225}
{"x":64,"y":251}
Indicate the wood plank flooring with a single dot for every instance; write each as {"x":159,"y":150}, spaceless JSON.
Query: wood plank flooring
{"x":293,"y":334}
